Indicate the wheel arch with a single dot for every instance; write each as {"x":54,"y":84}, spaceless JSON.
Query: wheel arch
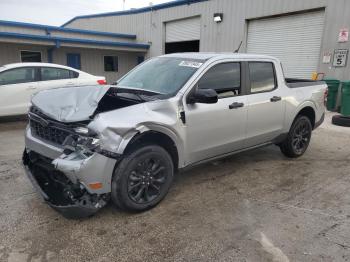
{"x":168,"y":140}
{"x":306,"y":109}
{"x":309,"y":112}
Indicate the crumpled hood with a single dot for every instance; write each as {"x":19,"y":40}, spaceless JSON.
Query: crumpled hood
{"x":70,"y":104}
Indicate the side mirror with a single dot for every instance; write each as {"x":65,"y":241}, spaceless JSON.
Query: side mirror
{"x":205,"y":96}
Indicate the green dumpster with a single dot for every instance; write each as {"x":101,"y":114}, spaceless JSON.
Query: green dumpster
{"x":333,"y":85}
{"x":345,"y":99}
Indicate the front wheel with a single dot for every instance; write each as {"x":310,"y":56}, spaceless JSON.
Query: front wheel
{"x":298,"y":138}
{"x":142,"y":178}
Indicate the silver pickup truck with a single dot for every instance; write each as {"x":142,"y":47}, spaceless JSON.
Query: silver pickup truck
{"x":87,"y":145}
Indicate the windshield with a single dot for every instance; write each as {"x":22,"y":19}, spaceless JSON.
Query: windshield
{"x":163,"y":75}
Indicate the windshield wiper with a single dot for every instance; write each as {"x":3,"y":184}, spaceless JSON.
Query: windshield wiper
{"x":137,"y":90}
{"x":141,"y":94}
{"x":139,"y":97}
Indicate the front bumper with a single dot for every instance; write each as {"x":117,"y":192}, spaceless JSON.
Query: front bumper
{"x":86,"y":170}
{"x":63,"y":180}
{"x":69,"y":199}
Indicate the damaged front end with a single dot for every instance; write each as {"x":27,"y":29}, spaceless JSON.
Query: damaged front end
{"x":74,"y":142}
{"x":68,"y":165}
{"x":71,"y":199}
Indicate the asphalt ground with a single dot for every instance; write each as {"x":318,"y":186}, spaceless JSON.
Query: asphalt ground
{"x":253,"y":206}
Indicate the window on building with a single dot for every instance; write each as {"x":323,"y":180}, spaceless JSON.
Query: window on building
{"x":262,"y":77}
{"x":51,"y":73}
{"x":140,"y":59}
{"x":110,"y":63}
{"x":224,"y":78}
{"x":18,"y":75}
{"x":30,"y":56}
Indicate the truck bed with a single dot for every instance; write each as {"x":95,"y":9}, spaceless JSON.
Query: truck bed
{"x":296,"y":82}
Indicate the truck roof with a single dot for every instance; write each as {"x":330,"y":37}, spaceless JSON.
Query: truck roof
{"x":207,"y":56}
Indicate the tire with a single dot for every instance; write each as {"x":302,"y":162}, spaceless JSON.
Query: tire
{"x":142,"y":178}
{"x":298,"y":138}
{"x":340,"y":120}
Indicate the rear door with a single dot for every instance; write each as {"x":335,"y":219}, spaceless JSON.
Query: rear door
{"x":16,"y":89}
{"x":52,"y":77}
{"x":266,"y":106}
{"x":217,"y":129}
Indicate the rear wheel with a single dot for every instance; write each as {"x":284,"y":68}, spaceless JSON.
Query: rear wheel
{"x":298,"y":138}
{"x":142,"y":178}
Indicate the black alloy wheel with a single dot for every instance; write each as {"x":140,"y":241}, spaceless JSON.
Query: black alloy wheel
{"x":146,"y":180}
{"x":298,"y":138}
{"x":301,"y":136}
{"x":142,"y":178}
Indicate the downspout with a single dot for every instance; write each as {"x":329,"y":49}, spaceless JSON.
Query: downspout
{"x":50,"y":51}
{"x":50,"y":55}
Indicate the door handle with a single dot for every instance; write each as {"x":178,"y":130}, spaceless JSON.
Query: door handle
{"x":275,"y":98}
{"x":235,"y":105}
{"x":70,"y":83}
{"x":31,"y":87}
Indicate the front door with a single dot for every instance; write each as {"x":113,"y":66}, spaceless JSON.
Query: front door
{"x":217,"y":129}
{"x":266,"y":106}
{"x":17,"y":87}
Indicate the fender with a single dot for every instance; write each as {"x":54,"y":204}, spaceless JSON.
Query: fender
{"x":307,"y":103}
{"x":153,"y":127}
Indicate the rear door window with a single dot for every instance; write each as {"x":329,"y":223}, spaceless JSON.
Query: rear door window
{"x":17,"y":76}
{"x":224,"y":78}
{"x":262,"y":77}
{"x":51,"y":73}
{"x":73,"y":74}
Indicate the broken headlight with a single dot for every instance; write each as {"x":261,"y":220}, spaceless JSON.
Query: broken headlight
{"x":84,"y":131}
{"x":81,"y":130}
{"x":86,"y":145}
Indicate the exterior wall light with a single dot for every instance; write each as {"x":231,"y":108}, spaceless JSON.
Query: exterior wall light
{"x":218,"y":17}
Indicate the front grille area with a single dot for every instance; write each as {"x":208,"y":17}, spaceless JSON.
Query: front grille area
{"x":49,"y":133}
{"x":48,"y":129}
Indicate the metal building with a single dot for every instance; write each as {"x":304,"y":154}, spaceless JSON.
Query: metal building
{"x":308,"y":36}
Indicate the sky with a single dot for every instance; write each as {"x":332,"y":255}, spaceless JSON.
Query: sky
{"x":57,"y":12}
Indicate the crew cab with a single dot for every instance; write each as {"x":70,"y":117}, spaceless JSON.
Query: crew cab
{"x":90,"y":144}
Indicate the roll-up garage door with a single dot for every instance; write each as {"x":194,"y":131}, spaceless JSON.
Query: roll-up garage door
{"x":182,"y":30}
{"x":294,"y":39}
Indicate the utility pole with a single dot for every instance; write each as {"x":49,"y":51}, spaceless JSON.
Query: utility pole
{"x":123,"y":5}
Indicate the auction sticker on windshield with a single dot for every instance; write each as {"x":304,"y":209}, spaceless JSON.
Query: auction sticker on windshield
{"x":190,"y":64}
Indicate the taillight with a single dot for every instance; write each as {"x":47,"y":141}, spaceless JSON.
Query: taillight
{"x":102,"y":82}
{"x":325,"y":96}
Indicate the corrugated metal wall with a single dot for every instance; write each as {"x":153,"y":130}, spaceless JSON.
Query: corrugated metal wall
{"x":226,"y":36}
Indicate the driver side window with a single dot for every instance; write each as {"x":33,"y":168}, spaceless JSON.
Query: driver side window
{"x":224,"y":78}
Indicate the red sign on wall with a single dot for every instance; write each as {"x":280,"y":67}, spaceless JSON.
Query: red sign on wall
{"x":343,"y":35}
